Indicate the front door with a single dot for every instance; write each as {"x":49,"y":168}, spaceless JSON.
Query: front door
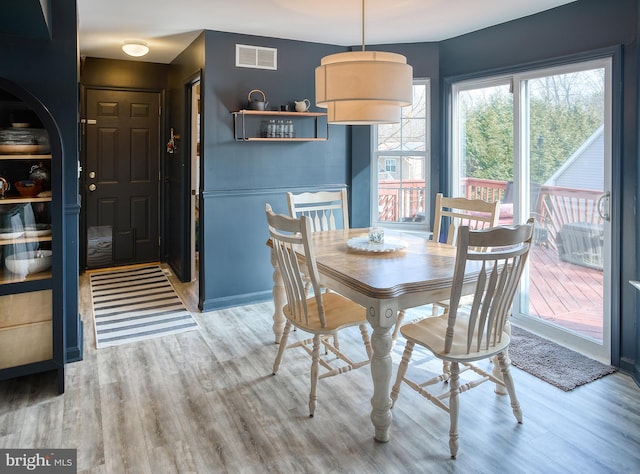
{"x":121,"y":177}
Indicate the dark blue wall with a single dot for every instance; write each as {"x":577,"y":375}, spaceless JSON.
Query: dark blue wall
{"x":31,"y":18}
{"x":567,"y":33}
{"x":186,"y":68}
{"x":576,"y":27}
{"x":240,"y":177}
{"x":48,"y":70}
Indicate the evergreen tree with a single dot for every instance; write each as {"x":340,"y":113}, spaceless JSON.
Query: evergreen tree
{"x":565,"y":110}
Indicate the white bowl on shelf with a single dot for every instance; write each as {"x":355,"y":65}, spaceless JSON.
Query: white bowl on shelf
{"x":9,"y":234}
{"x":34,"y":261}
{"x":37,"y":230}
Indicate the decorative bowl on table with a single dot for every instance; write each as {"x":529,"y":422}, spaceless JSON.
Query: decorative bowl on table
{"x":364,"y":244}
{"x":34,"y":261}
{"x":28,"y":188}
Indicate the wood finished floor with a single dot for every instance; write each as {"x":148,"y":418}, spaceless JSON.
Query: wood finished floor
{"x":581,"y":305}
{"x":206,"y":402}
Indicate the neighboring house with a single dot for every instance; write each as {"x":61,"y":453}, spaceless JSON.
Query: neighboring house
{"x":583,"y":169}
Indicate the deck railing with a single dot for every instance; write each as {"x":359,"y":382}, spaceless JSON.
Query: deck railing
{"x":567,"y":219}
{"x":486,"y":189}
{"x":401,"y":201}
{"x":573,"y":223}
{"x":404,"y":201}
{"x":555,"y":206}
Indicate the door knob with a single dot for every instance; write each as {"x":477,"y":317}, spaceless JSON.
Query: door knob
{"x":92,"y":187}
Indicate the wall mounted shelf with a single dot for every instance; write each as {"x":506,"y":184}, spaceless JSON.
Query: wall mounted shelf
{"x":19,"y":200}
{"x":25,"y":157}
{"x":252,"y":125}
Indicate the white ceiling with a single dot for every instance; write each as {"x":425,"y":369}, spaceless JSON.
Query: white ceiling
{"x":169,"y":27}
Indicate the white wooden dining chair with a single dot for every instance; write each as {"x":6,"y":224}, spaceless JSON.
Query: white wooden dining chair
{"x":458,"y":211}
{"x":328,"y":210}
{"x":323,"y":314}
{"x":467,"y":334}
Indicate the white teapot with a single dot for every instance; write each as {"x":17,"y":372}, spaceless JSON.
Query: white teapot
{"x":302,"y":105}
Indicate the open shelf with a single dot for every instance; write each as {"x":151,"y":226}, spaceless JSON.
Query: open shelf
{"x":20,"y":200}
{"x":8,"y":277}
{"x":25,"y":240}
{"x":24,"y":157}
{"x":265,"y":139}
{"x":278,"y":112}
{"x":246,"y":128}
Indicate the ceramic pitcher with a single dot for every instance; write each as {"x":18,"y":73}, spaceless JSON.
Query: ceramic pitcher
{"x":302,"y":105}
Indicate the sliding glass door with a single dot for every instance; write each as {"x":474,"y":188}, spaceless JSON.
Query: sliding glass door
{"x":540,"y":142}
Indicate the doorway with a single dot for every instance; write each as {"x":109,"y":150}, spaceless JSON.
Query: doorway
{"x":540,"y":141}
{"x":121,"y":177}
{"x":195,"y":177}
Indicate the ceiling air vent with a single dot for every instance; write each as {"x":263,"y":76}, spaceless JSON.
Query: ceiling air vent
{"x":256,"y":57}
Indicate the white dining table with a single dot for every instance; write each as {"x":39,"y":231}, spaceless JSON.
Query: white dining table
{"x":383,"y":283}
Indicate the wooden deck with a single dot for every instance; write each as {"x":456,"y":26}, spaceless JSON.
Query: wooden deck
{"x":566,"y":294}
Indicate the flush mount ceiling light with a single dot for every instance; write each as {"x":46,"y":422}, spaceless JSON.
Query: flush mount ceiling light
{"x":364,"y":87}
{"x":135,"y":48}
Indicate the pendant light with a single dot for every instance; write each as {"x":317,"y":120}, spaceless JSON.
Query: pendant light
{"x":364,"y":87}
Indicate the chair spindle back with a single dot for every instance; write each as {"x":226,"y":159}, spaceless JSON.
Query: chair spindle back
{"x":290,"y":237}
{"x":502,"y":253}
{"x":474,"y":213}
{"x":327,"y":210}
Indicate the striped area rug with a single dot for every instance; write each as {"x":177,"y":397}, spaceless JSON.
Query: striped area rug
{"x":136,"y":304}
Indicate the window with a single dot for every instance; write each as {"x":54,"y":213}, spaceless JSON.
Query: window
{"x":390,"y":165}
{"x":400,"y":163}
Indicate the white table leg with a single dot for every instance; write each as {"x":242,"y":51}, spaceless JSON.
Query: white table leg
{"x":278,"y":300}
{"x":382,"y":315}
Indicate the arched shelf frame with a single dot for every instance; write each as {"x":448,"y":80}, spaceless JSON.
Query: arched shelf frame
{"x":10,"y":90}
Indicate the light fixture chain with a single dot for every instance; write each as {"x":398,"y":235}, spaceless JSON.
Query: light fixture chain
{"x":362,"y":25}
{"x":362,"y":87}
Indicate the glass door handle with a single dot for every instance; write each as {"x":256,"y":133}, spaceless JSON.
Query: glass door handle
{"x":604,"y":208}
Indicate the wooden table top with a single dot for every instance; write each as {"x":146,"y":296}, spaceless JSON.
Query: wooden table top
{"x":423,"y":266}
